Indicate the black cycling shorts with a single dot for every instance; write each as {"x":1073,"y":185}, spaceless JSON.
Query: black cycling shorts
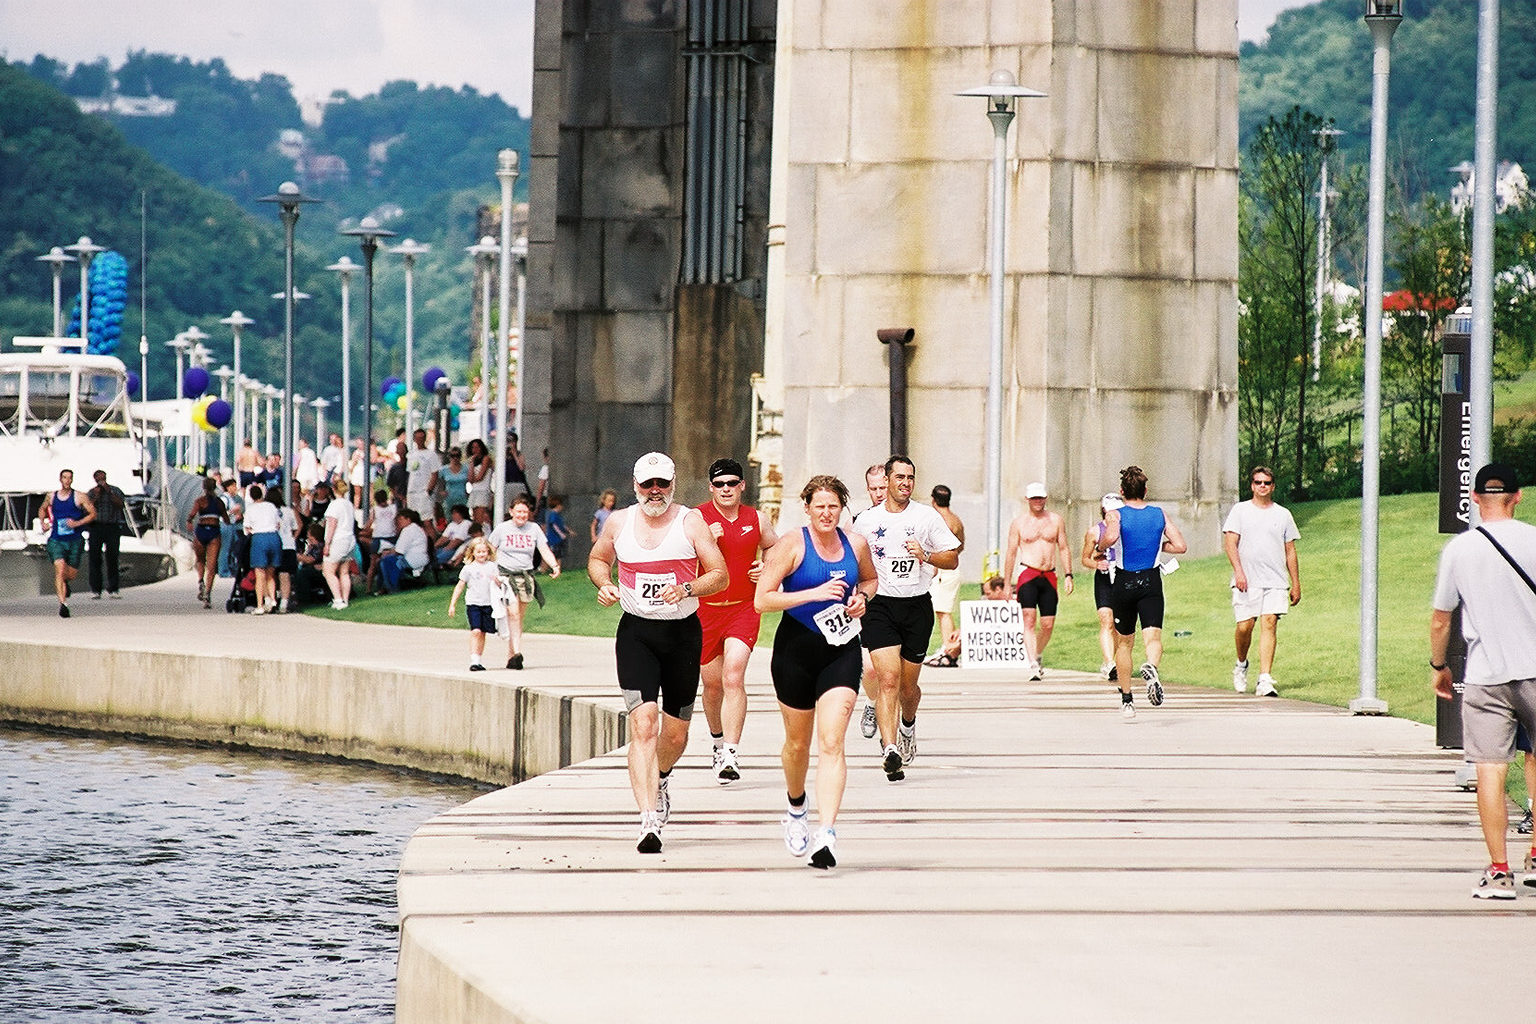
{"x":658,"y":662}
{"x":905,"y":622}
{"x":1137,"y":595}
{"x":805,"y":666}
{"x":1038,"y":592}
{"x":1101,"y":590}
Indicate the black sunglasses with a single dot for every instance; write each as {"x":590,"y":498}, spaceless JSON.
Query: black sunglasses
{"x":1263,"y":483}
{"x":725,"y":483}
{"x":655,"y":481}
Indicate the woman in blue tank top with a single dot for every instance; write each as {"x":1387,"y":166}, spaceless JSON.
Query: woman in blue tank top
{"x":1142,"y":532}
{"x":820,"y":578}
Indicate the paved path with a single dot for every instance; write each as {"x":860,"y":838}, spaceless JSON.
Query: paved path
{"x":1222,"y":857}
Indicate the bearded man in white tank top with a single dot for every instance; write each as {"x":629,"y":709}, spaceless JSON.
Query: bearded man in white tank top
{"x":667,"y":559}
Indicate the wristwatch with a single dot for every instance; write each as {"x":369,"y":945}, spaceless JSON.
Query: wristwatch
{"x":1438,"y":667}
{"x":688,"y":589}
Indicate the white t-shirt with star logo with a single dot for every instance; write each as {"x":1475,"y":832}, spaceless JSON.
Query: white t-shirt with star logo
{"x":899,"y":571}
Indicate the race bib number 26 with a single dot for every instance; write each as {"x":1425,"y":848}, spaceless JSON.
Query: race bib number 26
{"x":649,"y":585}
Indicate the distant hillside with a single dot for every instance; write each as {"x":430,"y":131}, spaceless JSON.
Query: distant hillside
{"x":64,"y":175}
{"x":1320,"y":57}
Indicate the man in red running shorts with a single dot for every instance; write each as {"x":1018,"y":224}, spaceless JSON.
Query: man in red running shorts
{"x":730,"y":622}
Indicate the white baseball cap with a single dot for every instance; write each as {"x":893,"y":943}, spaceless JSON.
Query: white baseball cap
{"x":1111,"y":502}
{"x":655,"y":466}
{"x":1035,"y":490}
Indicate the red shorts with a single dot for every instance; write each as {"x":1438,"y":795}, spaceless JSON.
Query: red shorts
{"x":720,"y":621}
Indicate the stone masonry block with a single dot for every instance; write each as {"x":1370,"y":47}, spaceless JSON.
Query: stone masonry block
{"x":1145,"y":335}
{"x":1030,"y":222}
{"x":584,"y":74}
{"x":1157,"y":109}
{"x":1143,"y":27}
{"x":900,"y":218}
{"x":948,"y":314}
{"x":639,"y":264}
{"x":1216,"y":27}
{"x":646,"y":85}
{"x":1133,"y":221}
{"x":813,"y":330}
{"x":1216,"y":225}
{"x":817,"y":129}
{"x":632,"y":357}
{"x":1074,"y":102}
{"x":631,"y":173}
{"x":898,"y":24}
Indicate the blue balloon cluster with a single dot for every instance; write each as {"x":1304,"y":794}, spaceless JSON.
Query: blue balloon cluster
{"x":108,"y":283}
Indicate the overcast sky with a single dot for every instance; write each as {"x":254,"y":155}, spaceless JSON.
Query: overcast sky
{"x":323,"y":45}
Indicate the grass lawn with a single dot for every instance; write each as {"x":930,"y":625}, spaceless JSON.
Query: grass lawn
{"x":1317,"y":658}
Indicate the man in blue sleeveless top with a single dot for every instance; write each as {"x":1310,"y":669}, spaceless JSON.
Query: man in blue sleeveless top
{"x":1140,"y":532}
{"x":64,"y":512}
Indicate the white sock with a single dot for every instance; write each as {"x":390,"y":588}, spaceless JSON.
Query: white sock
{"x":474,"y":659}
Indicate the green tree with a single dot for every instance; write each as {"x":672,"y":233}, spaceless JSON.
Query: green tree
{"x":1276,"y":282}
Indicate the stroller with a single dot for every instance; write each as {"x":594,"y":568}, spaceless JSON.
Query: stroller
{"x":243,"y":594}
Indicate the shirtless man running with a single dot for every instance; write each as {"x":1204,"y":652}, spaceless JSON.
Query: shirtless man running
{"x":1037,"y":543}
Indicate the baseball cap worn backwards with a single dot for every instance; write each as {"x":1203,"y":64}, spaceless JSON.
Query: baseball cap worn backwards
{"x":655,"y":466}
{"x":1111,"y":502}
{"x":1496,"y":478}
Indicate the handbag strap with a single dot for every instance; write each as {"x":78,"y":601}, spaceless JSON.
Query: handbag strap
{"x":1508,"y":558}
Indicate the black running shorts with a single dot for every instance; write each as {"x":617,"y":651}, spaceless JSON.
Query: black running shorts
{"x":905,"y":622}
{"x":805,"y":666}
{"x":1038,"y":592}
{"x":659,"y":662}
{"x":1137,"y":595}
{"x":1101,"y":590}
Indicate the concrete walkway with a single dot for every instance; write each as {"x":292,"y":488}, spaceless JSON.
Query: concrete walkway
{"x":1222,"y":857}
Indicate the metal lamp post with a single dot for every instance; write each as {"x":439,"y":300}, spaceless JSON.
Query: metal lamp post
{"x":299,"y":402}
{"x":520,"y":254}
{"x":271,"y":392}
{"x":1325,"y":137}
{"x":57,"y":258}
{"x":368,"y":232}
{"x":319,"y":405}
{"x":84,"y":250}
{"x":1000,"y":92}
{"x":506,"y":173}
{"x":224,"y":374}
{"x":237,"y":322}
{"x":409,"y":250}
{"x":1480,"y":377}
{"x":485,"y":253}
{"x":180,"y":343}
{"x":288,"y":199}
{"x":255,"y":389}
{"x":344,"y":267}
{"x":285,"y":435}
{"x":1382,"y":17}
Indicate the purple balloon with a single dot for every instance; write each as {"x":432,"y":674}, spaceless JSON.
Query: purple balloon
{"x":194,"y":382}
{"x":431,"y":377}
{"x":133,"y":383}
{"x":386,"y":384}
{"x":219,"y":413}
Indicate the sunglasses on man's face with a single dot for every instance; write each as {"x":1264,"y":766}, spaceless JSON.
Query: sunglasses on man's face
{"x":653,"y":483}
{"x":1263,"y":483}
{"x":723,"y":484}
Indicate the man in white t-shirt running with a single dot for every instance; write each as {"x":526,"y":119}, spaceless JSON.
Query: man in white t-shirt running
{"x":1260,"y":540}
{"x":1488,"y":574}
{"x":908,"y":543}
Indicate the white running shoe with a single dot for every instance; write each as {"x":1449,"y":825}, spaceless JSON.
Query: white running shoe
{"x":906,"y":742}
{"x":728,"y":770}
{"x":650,"y":833}
{"x":823,"y":853}
{"x":797,"y":831}
{"x":1266,"y":686}
{"x":1127,"y":708}
{"x":716,"y":760}
{"x":1240,"y":677}
{"x":663,"y":801}
{"x":1037,"y":672}
{"x":867,"y":724}
{"x":1104,"y":669}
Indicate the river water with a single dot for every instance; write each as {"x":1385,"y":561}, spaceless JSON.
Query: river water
{"x":178,"y":883}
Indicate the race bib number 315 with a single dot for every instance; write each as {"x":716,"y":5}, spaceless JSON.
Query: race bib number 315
{"x":836,"y":624}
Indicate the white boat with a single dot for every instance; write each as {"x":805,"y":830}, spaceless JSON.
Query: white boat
{"x":61,"y":409}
